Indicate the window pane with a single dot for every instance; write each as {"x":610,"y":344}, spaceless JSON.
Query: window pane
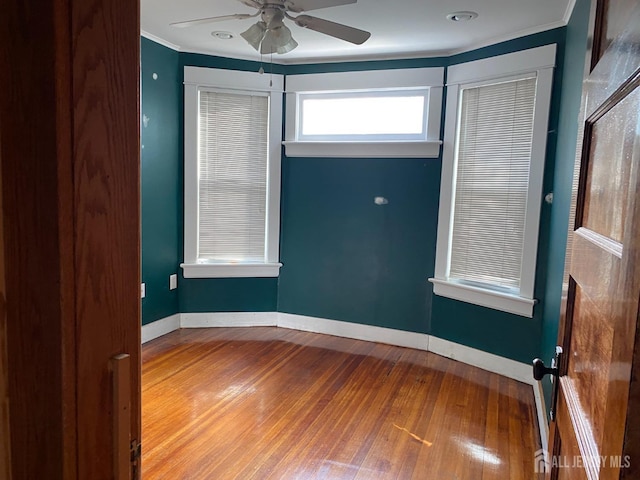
{"x":363,"y":115}
{"x":492,"y":176}
{"x":233,"y":148}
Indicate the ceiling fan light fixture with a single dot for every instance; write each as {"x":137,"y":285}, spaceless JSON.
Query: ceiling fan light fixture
{"x":278,"y":40}
{"x":254,"y":34}
{"x":290,"y":45}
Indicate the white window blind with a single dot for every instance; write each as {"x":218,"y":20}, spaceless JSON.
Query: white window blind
{"x":493,"y":161}
{"x":233,"y":147}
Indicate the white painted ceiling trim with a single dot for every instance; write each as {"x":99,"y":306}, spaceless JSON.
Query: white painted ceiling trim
{"x":161,"y":41}
{"x":506,"y":38}
{"x":569,"y":11}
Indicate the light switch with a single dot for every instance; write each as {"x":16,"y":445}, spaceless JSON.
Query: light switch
{"x":173,"y":281}
{"x":143,"y":290}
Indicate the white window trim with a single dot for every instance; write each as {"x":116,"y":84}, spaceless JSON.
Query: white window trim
{"x":540,"y":60}
{"x":194,"y":79}
{"x":430,"y":78}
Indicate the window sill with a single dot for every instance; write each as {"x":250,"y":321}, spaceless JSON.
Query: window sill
{"x":486,"y":298}
{"x":230,"y":270}
{"x":386,"y":149}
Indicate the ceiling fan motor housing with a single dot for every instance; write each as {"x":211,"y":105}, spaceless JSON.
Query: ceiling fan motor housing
{"x":272,"y":15}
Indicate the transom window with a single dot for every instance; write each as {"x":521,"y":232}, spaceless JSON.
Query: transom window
{"x":370,"y":115}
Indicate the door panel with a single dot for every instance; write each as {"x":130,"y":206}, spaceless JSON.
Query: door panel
{"x":106,"y":173}
{"x":614,"y":21}
{"x":594,"y":420}
{"x":71,"y":220}
{"x":610,"y":162}
{"x":591,"y":347}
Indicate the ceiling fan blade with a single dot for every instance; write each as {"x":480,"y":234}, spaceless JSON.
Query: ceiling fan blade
{"x":306,"y":5}
{"x":200,"y":21}
{"x":251,"y":3}
{"x":337,"y":30}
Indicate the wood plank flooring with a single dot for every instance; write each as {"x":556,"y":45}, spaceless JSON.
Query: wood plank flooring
{"x":272,"y":403}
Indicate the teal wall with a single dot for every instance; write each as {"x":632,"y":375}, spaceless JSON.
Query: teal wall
{"x":576,"y":45}
{"x":160,"y":188}
{"x":228,"y":295}
{"x":344,"y":257}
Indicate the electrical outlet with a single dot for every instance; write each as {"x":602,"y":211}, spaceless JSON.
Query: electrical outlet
{"x":143,"y":290}
{"x":173,"y":281}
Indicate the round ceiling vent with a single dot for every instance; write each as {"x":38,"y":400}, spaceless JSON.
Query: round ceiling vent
{"x":223,"y":35}
{"x":461,"y":16}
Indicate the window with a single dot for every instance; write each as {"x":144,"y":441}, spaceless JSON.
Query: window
{"x":365,"y":114}
{"x":374,"y":115}
{"x":493,"y":163}
{"x":232,"y":173}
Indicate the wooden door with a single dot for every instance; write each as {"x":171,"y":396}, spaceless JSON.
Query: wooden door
{"x":5,"y":452}
{"x":69,"y":111}
{"x":596,"y":430}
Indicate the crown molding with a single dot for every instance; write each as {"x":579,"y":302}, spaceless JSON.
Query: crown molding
{"x":159,"y":40}
{"x":569,"y":11}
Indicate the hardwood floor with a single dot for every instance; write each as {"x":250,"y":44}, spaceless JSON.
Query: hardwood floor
{"x":272,"y":403}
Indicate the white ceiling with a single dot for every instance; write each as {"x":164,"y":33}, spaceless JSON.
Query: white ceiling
{"x":399,"y":28}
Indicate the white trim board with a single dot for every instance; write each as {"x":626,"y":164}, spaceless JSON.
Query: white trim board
{"x":420,"y":341}
{"x":161,"y":327}
{"x":369,"y":333}
{"x":158,"y":40}
{"x":541,"y":410}
{"x":484,"y":360}
{"x":229,"y":319}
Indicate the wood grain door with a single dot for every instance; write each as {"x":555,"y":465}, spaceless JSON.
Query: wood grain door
{"x":596,"y":429}
{"x":5,"y":452}
{"x":69,"y":109}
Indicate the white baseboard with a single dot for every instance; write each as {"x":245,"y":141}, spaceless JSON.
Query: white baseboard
{"x":357,"y":331}
{"x":421,"y":341}
{"x":160,"y":327}
{"x":229,"y":319}
{"x":486,"y":361}
{"x":541,"y":410}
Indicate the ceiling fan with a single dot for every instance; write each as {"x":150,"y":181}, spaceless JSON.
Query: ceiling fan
{"x":271,"y":35}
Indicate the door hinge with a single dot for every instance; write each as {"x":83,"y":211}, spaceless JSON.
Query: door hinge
{"x":136,"y":454}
